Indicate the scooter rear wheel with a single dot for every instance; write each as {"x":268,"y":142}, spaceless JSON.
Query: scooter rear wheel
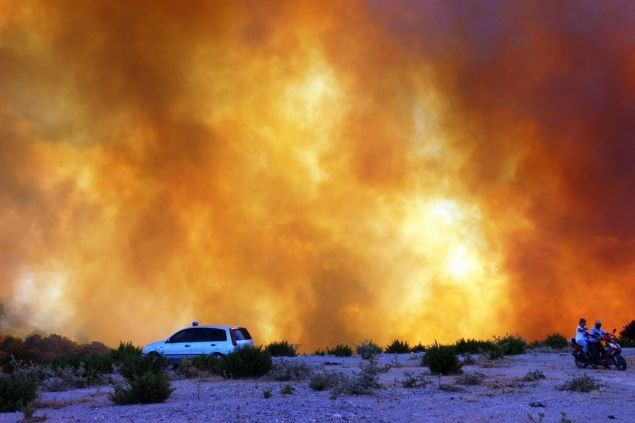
{"x":580,"y":364}
{"x":620,"y":363}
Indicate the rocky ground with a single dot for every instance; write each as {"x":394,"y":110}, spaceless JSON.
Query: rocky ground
{"x":500,"y":393}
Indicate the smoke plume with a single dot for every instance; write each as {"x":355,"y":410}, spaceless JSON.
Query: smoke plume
{"x":319,"y":172}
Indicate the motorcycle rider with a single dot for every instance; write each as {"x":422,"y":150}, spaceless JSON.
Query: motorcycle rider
{"x":595,"y":336}
{"x":581,"y":335}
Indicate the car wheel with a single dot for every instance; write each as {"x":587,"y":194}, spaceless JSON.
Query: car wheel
{"x":218,"y":355}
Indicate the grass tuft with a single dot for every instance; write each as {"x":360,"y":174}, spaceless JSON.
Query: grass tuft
{"x":581,"y":384}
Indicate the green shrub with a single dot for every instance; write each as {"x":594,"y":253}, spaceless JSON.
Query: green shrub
{"x":124,"y":349}
{"x":282,"y":349}
{"x":398,"y":347}
{"x":473,"y":346}
{"x":581,"y":384}
{"x":512,"y":344}
{"x":367,"y":349}
{"x":441,"y":359}
{"x":320,"y":352}
{"x":341,"y":350}
{"x":247,"y":362}
{"x":418,"y":348}
{"x":132,"y":365}
{"x":150,"y":387}
{"x":16,"y":393}
{"x":556,"y":341}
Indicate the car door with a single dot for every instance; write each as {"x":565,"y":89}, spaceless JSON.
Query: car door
{"x":179,"y":345}
{"x":213,"y":341}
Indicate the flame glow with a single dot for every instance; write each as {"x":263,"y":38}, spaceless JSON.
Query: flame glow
{"x":319,"y":172}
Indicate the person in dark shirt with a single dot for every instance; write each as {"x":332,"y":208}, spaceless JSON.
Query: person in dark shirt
{"x":595,"y":336}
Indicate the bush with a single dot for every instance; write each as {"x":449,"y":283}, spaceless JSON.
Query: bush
{"x":495,"y":353}
{"x":16,"y":393}
{"x":512,"y":344}
{"x":556,"y":341}
{"x":150,"y":387}
{"x":413,"y":381}
{"x":209,"y":363}
{"x":132,"y":365}
{"x":626,"y":342}
{"x":340,"y":351}
{"x":322,"y":381}
{"x":534,"y":375}
{"x":473,"y":346}
{"x":284,"y":370}
{"x":282,"y":349}
{"x":470,"y":379}
{"x":418,"y":348}
{"x":320,"y":352}
{"x":287,"y":390}
{"x":581,"y":384}
{"x":90,"y":366}
{"x":441,"y":359}
{"x":187,"y":369}
{"x":398,"y":347}
{"x":367,"y":349}
{"x":362,"y":383}
{"x":67,"y":378}
{"x":247,"y":362}
{"x":124,"y":350}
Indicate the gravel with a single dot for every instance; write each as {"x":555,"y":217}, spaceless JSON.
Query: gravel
{"x":502,"y":395}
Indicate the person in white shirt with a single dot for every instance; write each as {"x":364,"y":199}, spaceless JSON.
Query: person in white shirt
{"x":581,"y":335}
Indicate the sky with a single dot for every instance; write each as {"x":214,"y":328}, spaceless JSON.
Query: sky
{"x":318,"y":172}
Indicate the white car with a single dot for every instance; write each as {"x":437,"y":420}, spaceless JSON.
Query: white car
{"x":200,"y":340}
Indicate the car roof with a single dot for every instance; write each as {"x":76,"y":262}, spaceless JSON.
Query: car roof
{"x":212,"y":327}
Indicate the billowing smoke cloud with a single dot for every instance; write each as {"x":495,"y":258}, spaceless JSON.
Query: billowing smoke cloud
{"x":317,"y":172}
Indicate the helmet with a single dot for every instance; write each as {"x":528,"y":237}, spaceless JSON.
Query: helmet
{"x":597,"y":322}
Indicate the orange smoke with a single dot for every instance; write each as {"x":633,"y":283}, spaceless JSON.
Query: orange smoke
{"x":317,"y":172}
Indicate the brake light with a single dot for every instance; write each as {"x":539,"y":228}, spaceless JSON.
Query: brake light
{"x":233,"y":336}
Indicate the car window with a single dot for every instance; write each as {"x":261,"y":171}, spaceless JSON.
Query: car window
{"x":241,"y":334}
{"x":211,"y":335}
{"x":186,"y":335}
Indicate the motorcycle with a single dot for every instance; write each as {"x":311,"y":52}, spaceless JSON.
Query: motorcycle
{"x":610,"y":353}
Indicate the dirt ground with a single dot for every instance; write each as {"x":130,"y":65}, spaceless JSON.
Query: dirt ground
{"x":500,"y":394}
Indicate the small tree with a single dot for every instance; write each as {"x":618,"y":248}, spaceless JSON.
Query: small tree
{"x":629,"y":331}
